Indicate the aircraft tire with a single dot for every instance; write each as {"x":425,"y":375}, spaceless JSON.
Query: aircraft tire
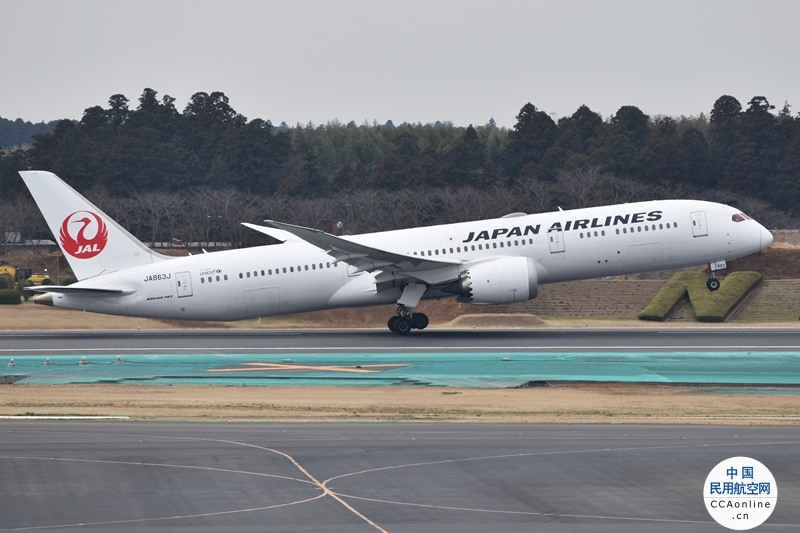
{"x":713,"y":284}
{"x":402,"y":326}
{"x":419,"y":321}
{"x":392,"y":323}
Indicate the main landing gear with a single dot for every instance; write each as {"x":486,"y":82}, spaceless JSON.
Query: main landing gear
{"x":405,"y":320}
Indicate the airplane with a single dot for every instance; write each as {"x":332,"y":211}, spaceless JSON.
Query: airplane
{"x":494,"y":261}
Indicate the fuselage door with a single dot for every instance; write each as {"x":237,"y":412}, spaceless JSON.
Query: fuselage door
{"x":556,"y":237}
{"x":184,"y":281}
{"x":699,"y":227}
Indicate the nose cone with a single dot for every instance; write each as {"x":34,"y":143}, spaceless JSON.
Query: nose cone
{"x":766,"y":237}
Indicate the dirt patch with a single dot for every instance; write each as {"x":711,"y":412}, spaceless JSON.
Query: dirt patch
{"x":490,"y":320}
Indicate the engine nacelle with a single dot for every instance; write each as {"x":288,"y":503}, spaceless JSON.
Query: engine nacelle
{"x":503,"y":280}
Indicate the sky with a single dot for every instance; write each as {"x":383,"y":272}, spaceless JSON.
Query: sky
{"x":417,"y":61}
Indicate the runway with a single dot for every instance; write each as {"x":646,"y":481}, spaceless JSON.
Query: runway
{"x":462,"y":358}
{"x":377,"y":477}
{"x":372,"y":340}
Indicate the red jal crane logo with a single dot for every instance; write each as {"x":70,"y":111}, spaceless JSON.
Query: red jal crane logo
{"x":83,"y":234}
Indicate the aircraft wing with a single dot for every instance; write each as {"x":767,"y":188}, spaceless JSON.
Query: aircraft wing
{"x":368,"y":259}
{"x":278,"y":234}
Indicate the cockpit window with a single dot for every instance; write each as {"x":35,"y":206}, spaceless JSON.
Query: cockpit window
{"x":740,"y":217}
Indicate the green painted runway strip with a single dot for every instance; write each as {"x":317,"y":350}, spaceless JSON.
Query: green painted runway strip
{"x":435,"y":369}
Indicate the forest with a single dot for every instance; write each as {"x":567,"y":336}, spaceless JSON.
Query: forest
{"x":194,"y":175}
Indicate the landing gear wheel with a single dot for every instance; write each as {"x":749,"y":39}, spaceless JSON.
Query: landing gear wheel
{"x":713,"y":284}
{"x":402,"y":326}
{"x":392,"y":323}
{"x":419,"y":321}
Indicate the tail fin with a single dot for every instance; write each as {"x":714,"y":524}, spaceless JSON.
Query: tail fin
{"x":92,"y":242}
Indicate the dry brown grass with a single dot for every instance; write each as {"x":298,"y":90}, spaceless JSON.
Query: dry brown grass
{"x":561,"y":404}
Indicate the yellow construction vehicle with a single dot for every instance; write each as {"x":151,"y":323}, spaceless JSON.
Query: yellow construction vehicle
{"x":37,"y":278}
{"x":14,"y":274}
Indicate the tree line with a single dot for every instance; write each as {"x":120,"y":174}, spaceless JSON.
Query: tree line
{"x":19,"y":132}
{"x":213,"y":162}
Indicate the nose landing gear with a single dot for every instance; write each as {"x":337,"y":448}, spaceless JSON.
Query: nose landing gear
{"x":713,"y":283}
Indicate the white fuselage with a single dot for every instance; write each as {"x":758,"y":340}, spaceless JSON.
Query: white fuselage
{"x":296,"y":276}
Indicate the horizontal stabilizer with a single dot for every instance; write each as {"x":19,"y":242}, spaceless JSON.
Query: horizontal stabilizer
{"x":61,"y":289}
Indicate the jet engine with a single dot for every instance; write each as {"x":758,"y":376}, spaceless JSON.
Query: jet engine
{"x":498,"y":281}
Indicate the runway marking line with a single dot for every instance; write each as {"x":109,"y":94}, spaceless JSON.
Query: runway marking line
{"x":535,"y":454}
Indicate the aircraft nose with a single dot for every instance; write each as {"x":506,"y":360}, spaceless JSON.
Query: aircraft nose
{"x":766,"y":237}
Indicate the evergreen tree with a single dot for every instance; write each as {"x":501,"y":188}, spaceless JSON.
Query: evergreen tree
{"x":533,"y":134}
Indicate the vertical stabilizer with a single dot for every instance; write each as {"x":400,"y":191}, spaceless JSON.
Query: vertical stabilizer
{"x":93,"y":243}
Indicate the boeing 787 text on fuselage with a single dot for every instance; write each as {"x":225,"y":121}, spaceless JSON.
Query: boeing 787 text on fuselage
{"x":493,"y":261}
